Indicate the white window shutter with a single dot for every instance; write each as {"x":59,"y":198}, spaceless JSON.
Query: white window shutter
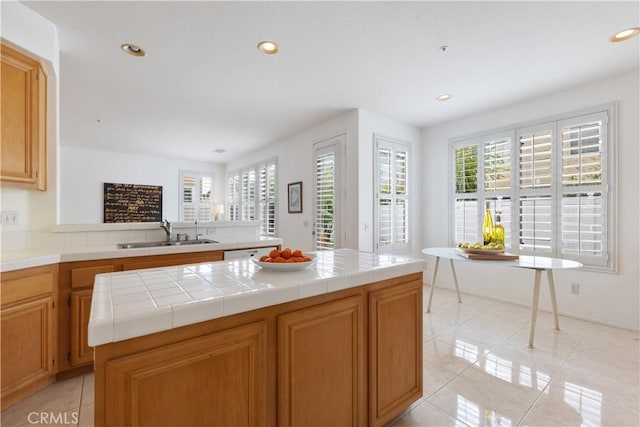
{"x":325,"y":198}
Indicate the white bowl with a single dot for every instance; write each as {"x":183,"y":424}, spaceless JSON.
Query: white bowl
{"x":285,"y":266}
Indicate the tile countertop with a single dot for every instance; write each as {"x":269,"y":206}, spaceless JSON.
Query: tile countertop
{"x":136,"y":303}
{"x":16,"y":260}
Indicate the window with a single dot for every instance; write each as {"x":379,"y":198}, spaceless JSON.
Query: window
{"x":327,"y":192}
{"x":392,"y":195}
{"x":252,"y":195}
{"x":552,"y":187}
{"x":197,"y":199}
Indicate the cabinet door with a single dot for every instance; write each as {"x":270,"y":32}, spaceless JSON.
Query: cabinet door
{"x":27,"y":350}
{"x":321,"y":365}
{"x":395,"y":350}
{"x":23,"y":112}
{"x":81,"y":353}
{"x":218,"y":379}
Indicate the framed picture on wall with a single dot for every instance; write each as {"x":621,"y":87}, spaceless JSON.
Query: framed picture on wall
{"x":295,"y":197}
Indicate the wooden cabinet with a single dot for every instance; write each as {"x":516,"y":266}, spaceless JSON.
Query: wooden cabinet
{"x":225,"y":372}
{"x":24,"y":120}
{"x":347,"y":358}
{"x":76,"y":289}
{"x":395,"y":350}
{"x":27,"y":332}
{"x":81,"y":352}
{"x":321,"y":365}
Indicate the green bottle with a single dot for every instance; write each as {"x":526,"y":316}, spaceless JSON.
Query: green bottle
{"x":487,"y":225}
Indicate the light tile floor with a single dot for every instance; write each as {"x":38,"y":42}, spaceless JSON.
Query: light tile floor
{"x":478,"y":371}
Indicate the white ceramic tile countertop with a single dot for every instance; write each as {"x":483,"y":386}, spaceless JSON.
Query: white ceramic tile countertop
{"x":16,"y":260}
{"x":136,"y":303}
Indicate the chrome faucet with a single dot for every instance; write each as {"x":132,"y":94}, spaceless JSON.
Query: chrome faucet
{"x":166,"y":225}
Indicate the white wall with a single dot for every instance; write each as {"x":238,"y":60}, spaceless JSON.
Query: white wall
{"x":295,"y":163}
{"x":370,"y":124}
{"x":83,"y":172}
{"x":607,"y":298}
{"x":28,"y":31}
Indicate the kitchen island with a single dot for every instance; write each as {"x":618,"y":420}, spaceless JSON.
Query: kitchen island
{"x":226,"y":343}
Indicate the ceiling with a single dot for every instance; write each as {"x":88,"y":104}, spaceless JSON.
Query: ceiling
{"x":204,"y":85}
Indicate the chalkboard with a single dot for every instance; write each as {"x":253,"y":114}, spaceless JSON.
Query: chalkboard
{"x":132,"y":203}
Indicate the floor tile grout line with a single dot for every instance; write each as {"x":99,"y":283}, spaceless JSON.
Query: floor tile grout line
{"x":552,"y":379}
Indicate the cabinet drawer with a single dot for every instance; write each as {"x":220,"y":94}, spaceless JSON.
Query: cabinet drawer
{"x":23,"y":284}
{"x":83,"y":277}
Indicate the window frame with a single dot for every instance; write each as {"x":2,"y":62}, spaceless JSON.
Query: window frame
{"x":239,"y":204}
{"x":198,"y":175}
{"x":395,"y":145}
{"x":607,"y":262}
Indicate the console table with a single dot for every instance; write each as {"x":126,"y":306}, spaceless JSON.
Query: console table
{"x":537,"y":263}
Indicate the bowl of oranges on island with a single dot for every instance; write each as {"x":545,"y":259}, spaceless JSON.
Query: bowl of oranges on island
{"x":285,"y":260}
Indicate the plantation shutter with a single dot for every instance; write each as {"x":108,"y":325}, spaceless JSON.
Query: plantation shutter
{"x":252,"y":195}
{"x":401,"y":217}
{"x":466,"y":213}
{"x":536,"y":206}
{"x":197,"y":196}
{"x":392,"y":206}
{"x":270,"y":226}
{"x":266,"y":198}
{"x":325,"y":189}
{"x":385,"y":190}
{"x":552,"y":183}
{"x":188,"y":198}
{"x":496,"y":179}
{"x":249,"y":195}
{"x":234,"y":197}
{"x":584,"y":188}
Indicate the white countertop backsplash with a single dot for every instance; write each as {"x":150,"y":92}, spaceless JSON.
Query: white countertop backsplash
{"x":25,"y":249}
{"x":136,"y":303}
{"x":27,"y":258}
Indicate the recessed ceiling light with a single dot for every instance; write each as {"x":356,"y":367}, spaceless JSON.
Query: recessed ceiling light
{"x":132,"y":49}
{"x":268,"y":47}
{"x":219,"y":150}
{"x":444,"y":97}
{"x":625,"y":34}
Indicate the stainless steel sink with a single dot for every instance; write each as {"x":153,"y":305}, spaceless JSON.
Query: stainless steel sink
{"x":136,"y":245}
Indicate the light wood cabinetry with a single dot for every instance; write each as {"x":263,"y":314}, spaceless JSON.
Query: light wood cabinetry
{"x":321,"y":365}
{"x":224,"y":372}
{"x":23,"y":116}
{"x":395,"y":350}
{"x":81,"y":352}
{"x":76,"y":290}
{"x":27,"y":333}
{"x":347,"y":358}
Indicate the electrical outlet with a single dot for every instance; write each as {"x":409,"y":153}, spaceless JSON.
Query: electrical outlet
{"x":575,"y":288}
{"x":9,"y":217}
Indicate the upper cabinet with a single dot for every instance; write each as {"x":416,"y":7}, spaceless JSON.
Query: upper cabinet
{"x":23,"y":120}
